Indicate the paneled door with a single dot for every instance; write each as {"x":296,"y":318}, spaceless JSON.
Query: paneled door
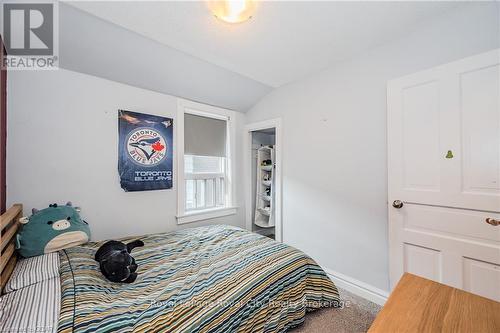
{"x":444,"y":174}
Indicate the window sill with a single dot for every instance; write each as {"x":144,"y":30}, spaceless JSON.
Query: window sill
{"x":205,"y":214}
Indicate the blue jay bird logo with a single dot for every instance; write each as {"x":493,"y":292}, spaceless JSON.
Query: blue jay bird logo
{"x":146,"y":146}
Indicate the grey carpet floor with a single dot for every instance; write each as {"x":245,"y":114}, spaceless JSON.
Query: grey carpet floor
{"x":356,"y":316}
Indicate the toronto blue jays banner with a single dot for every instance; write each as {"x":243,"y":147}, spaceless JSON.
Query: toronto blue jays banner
{"x":145,"y":151}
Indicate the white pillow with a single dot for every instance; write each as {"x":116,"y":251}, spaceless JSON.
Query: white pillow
{"x":32,"y":309}
{"x":33,"y":270}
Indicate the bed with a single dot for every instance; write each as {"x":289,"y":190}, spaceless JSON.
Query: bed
{"x":208,"y":279}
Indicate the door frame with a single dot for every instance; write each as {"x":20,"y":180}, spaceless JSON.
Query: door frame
{"x":247,"y":149}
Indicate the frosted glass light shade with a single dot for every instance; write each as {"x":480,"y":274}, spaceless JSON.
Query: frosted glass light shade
{"x":232,"y":11}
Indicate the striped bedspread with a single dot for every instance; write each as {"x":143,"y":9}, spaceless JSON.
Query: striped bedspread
{"x":208,"y":279}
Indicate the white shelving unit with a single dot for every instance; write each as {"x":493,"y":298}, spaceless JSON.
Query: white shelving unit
{"x":264,"y":201}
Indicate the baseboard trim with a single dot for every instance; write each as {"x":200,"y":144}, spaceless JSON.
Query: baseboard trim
{"x":357,"y":287}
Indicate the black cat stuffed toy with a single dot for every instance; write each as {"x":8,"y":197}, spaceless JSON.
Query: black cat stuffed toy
{"x":115,"y":261}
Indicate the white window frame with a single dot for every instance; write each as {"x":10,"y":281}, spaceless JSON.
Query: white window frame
{"x":199,"y":109}
{"x":216,"y":177}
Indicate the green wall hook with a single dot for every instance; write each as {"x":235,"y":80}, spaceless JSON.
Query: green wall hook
{"x":449,"y":154}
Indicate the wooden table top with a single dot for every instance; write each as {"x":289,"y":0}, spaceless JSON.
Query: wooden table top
{"x":421,"y":305}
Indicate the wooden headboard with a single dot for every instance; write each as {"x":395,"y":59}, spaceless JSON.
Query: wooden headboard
{"x":9,"y":223}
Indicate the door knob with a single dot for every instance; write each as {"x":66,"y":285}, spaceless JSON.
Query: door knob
{"x":493,"y":222}
{"x":397,"y":204}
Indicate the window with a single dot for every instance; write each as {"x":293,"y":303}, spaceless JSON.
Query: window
{"x":204,"y":177}
{"x":204,"y":182}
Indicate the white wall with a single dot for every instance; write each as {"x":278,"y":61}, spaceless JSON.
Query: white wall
{"x":63,"y":145}
{"x":334,"y":142}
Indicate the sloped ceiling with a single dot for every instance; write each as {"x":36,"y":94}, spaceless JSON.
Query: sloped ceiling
{"x":179,"y":48}
{"x":90,"y":45}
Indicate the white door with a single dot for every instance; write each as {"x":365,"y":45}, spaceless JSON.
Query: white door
{"x":444,"y":167}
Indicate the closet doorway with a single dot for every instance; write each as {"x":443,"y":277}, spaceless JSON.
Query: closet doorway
{"x":263,"y":179}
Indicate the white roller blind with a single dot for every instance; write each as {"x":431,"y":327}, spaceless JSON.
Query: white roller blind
{"x":204,"y":136}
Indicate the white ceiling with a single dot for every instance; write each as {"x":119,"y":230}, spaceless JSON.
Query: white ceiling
{"x":283,"y":42}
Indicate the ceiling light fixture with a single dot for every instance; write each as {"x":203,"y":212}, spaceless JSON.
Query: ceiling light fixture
{"x":232,"y":11}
